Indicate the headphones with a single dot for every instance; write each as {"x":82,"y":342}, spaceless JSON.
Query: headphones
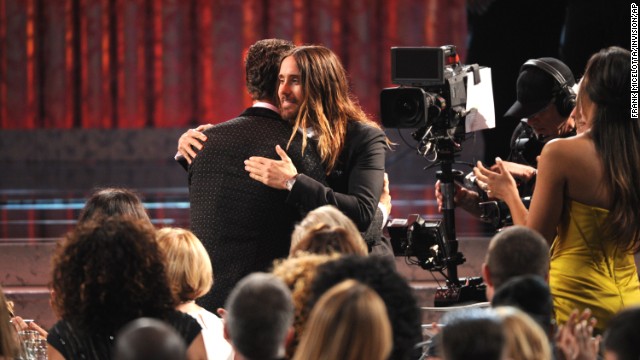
{"x":565,"y":99}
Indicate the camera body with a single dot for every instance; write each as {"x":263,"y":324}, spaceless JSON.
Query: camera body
{"x":432,"y":94}
{"x":422,"y":241}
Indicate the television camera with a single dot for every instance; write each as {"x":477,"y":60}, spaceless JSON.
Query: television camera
{"x":433,"y":99}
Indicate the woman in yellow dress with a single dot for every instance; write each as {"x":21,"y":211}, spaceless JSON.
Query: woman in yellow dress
{"x":587,"y":197}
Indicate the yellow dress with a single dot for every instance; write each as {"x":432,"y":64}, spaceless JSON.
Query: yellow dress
{"x":587,"y":271}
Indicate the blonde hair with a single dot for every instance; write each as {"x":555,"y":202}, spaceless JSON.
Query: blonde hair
{"x":524,"y":338}
{"x":319,"y":224}
{"x":188,"y":264}
{"x":348,"y":322}
{"x":298,"y":274}
{"x":8,"y":340}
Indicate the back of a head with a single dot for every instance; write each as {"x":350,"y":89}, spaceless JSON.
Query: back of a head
{"x":380,"y":275}
{"x":147,"y":338}
{"x":325,"y":239}
{"x":187,"y":262}
{"x":259,"y":316}
{"x":113,"y":202}
{"x":524,"y":338}
{"x":531,"y":294}
{"x":516,"y":251}
{"x":331,"y":217}
{"x":472,"y":334}
{"x":262,"y":65}
{"x":348,"y":322}
{"x":622,"y":336}
{"x":107,"y":273}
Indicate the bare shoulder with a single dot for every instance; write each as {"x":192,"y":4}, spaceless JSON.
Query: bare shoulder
{"x":569,"y":148}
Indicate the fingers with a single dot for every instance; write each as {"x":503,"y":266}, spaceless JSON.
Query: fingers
{"x":191,"y":139}
{"x":283,"y":155}
{"x":202,"y":128}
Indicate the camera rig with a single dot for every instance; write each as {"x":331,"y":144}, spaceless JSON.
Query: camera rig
{"x":432,"y":99}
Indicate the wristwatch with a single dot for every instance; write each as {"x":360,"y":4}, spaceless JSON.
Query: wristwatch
{"x":289,"y":182}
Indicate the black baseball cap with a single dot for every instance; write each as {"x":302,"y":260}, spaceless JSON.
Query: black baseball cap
{"x":536,"y":87}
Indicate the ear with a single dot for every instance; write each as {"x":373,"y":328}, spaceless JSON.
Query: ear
{"x":288,"y":340}
{"x":225,"y":333}
{"x":486,"y":274}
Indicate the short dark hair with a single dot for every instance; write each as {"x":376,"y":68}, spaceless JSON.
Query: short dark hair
{"x":262,"y":66}
{"x":259,"y":315}
{"x":623,"y":334}
{"x":148,"y":338}
{"x":472,"y":334}
{"x":113,"y":202}
{"x":531,"y":294}
{"x":380,"y":275}
{"x":516,"y":251}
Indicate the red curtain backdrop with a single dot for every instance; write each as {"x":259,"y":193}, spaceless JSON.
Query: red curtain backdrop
{"x":177,"y":63}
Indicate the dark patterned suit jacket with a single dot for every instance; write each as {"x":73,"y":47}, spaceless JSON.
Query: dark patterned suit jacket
{"x":243,"y":223}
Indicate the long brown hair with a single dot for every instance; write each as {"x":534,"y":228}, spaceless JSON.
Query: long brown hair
{"x":348,"y":322}
{"x":328,"y":105}
{"x":616,"y":135}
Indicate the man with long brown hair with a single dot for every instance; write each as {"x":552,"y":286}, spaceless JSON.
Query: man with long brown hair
{"x":314,"y":96}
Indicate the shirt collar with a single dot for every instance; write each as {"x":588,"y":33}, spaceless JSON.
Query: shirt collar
{"x":267,"y":105}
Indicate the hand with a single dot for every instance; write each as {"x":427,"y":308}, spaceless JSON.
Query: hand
{"x":385,"y":197}
{"x":575,"y":338}
{"x":499,"y":184}
{"x":519,"y":171}
{"x":461,"y":196}
{"x":19,"y":325}
{"x":193,"y":138}
{"x":273,"y":173}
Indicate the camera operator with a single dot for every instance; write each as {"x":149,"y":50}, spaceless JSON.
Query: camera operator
{"x":545,"y":101}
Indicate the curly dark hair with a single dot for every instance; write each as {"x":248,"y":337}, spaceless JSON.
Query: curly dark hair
{"x":377,"y":273}
{"x":108,"y":272}
{"x":262,"y":66}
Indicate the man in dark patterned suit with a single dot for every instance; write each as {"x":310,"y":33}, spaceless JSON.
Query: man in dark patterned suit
{"x":243,"y":224}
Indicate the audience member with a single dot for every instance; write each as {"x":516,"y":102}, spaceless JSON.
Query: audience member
{"x":243,"y":224}
{"x":107,"y":273}
{"x":586,"y":199}
{"x":514,"y":251}
{"x":148,"y":338}
{"x":348,"y":322}
{"x":574,"y":339}
{"x":326,"y":239}
{"x":8,"y":341}
{"x":331,"y":217}
{"x":524,"y":338}
{"x":113,"y":202}
{"x":472,"y":334}
{"x":622,"y":338}
{"x":190,"y":276}
{"x":298,"y":274}
{"x":258,"y":319}
{"x":531,"y":294}
{"x":378,"y":274}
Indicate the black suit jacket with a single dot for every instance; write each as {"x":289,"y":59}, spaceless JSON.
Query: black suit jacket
{"x":243,"y":223}
{"x":355,"y":184}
